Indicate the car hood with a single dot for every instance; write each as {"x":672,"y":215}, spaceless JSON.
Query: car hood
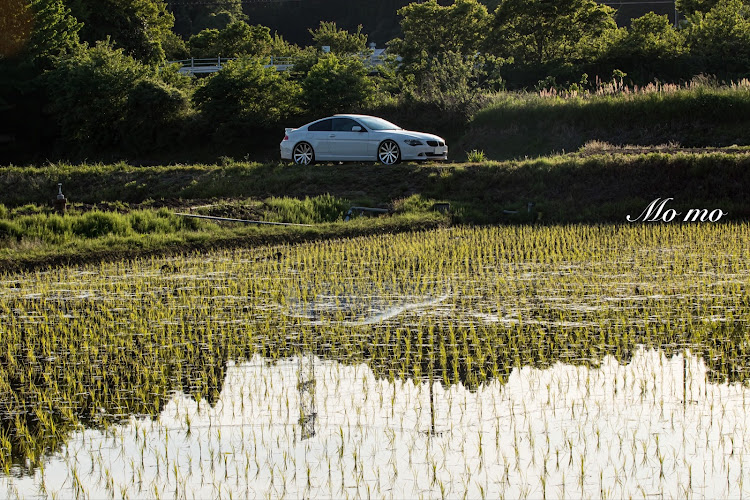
{"x":416,"y":135}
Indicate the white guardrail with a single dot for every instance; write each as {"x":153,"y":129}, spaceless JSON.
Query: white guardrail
{"x":195,"y":65}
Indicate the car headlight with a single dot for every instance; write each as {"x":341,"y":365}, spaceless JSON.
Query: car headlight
{"x":413,"y":142}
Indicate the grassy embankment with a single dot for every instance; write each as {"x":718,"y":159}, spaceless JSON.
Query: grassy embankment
{"x":121,"y":210}
{"x":516,"y":125}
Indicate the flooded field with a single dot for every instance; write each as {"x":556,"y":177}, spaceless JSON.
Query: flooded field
{"x":577,"y":361}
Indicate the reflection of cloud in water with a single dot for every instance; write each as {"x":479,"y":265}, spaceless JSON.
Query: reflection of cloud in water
{"x":652,"y":427}
{"x":361,"y":307}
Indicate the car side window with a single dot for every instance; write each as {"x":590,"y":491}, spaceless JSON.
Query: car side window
{"x":321,"y":126}
{"x":344,"y":124}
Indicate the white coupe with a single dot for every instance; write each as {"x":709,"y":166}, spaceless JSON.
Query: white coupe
{"x":359,"y":138}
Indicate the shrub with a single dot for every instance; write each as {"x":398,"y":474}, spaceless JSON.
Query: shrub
{"x":236,"y":39}
{"x":719,"y":40}
{"x":337,"y":84}
{"x":152,"y":115}
{"x":100,"y":96}
{"x":246,"y":94}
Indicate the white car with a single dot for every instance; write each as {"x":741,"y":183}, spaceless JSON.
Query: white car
{"x":359,"y":138}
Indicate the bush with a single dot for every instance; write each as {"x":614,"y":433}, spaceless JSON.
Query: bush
{"x":236,"y":39}
{"x":102,"y":97}
{"x":246,"y":94}
{"x":161,"y":221}
{"x":152,"y":114}
{"x":452,"y":83}
{"x":719,"y":40}
{"x":650,"y":48}
{"x":336,"y":84}
{"x":145,"y":222}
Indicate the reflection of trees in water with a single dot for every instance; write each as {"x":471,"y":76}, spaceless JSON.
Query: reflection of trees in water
{"x":49,"y":397}
{"x":474,"y":355}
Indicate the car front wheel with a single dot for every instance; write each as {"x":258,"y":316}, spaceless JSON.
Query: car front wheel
{"x":303,"y":154}
{"x":388,"y":153}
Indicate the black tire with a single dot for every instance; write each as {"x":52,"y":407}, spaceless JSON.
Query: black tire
{"x":389,"y":152}
{"x":303,"y":154}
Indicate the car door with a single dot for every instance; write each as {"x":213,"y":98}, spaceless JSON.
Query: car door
{"x":346,"y":143}
{"x":318,"y":136}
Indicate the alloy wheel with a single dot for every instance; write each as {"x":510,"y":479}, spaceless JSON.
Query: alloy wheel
{"x":388,"y":153}
{"x":303,"y":154}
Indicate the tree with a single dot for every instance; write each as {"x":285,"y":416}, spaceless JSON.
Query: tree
{"x":719,"y":40}
{"x":204,"y":44}
{"x":430,"y":29}
{"x":153,"y":109}
{"x":136,"y":26}
{"x":542,"y":31}
{"x":100,"y":96}
{"x":237,"y":39}
{"x":336,"y":84}
{"x":193,"y":17}
{"x":16,"y":23}
{"x":651,"y":47}
{"x":340,"y":41}
{"x":39,"y":31}
{"x":55,"y":32}
{"x":174,"y":47}
{"x":453,"y":84}
{"x":246,"y":94}
{"x":692,"y":6}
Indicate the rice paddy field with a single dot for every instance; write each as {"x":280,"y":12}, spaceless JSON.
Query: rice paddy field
{"x":602,"y":361}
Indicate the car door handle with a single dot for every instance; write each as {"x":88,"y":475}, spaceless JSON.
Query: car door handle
{"x":332,"y":135}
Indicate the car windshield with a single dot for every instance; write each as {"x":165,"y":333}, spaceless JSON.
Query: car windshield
{"x":374,"y":123}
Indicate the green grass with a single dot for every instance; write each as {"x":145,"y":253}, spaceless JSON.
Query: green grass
{"x":530,"y":124}
{"x":44,"y":240}
{"x":577,"y":180}
{"x":120,"y":210}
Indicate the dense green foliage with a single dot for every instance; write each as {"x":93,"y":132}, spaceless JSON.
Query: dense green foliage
{"x":193,"y":17}
{"x":127,"y":104}
{"x":137,"y":26}
{"x":336,"y":84}
{"x":338,"y":40}
{"x":536,"y":32}
{"x":246,"y":94}
{"x":452,"y":57}
{"x":719,"y":39}
{"x":430,"y":29}
{"x":236,"y":39}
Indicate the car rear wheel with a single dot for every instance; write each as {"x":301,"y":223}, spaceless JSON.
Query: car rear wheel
{"x":303,"y":154}
{"x":388,"y":153}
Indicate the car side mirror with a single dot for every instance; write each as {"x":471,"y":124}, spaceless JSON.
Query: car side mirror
{"x":356,"y":128}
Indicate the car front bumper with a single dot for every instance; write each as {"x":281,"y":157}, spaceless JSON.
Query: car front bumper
{"x":424,"y":152}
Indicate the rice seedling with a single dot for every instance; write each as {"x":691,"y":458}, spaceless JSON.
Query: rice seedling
{"x":480,"y":362}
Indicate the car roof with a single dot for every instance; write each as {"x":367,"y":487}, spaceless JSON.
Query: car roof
{"x":349,"y":115}
{"x":338,"y":115}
